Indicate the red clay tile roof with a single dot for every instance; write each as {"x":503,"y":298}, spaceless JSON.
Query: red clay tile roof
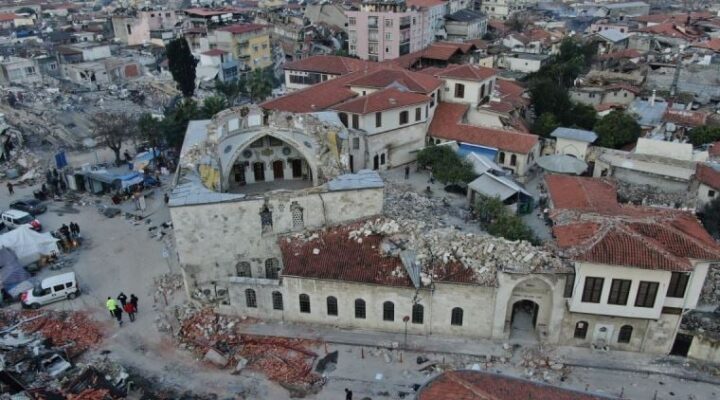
{"x":623,"y":86}
{"x":714,"y":149}
{"x":446,"y":124}
{"x":205,"y":12}
{"x":386,"y":99}
{"x":314,"y":98}
{"x":466,"y":72}
{"x":441,"y":52}
{"x":341,"y":258}
{"x":712,"y":44}
{"x":511,"y":92}
{"x":478,"y":43}
{"x":476,"y":385}
{"x":215,"y":52}
{"x":328,"y":65}
{"x":383,"y":77}
{"x":579,"y":193}
{"x":659,"y":18}
{"x":242,"y":28}
{"x":708,"y":175}
{"x":589,"y":225}
{"x":670,"y":29}
{"x":4,"y":17}
{"x":686,"y":118}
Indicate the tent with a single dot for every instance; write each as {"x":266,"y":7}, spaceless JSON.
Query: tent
{"x":29,"y":245}
{"x":11,"y":271}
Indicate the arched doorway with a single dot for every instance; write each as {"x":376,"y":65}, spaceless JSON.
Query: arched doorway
{"x":278,"y":169}
{"x":259,"y":171}
{"x":524,"y":320}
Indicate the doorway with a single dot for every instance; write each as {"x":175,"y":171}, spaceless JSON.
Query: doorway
{"x":296,"y":168}
{"x":523,"y":320}
{"x":259,"y":171}
{"x":352,"y":164}
{"x":376,"y":162}
{"x":278,"y":170}
{"x":682,"y":344}
{"x":239,"y":174}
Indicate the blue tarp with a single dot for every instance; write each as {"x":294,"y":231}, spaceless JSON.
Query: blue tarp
{"x":488,"y":152}
{"x":60,"y":160}
{"x":11,"y":272}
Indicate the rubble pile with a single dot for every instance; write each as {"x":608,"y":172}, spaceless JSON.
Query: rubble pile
{"x":169,"y":283}
{"x":650,"y":195}
{"x":483,"y":253}
{"x":702,"y":323}
{"x":402,"y":203}
{"x":215,"y":338}
{"x":61,"y":328}
{"x":711,"y":289}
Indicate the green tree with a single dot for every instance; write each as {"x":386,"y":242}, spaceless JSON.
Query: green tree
{"x":213,"y":105}
{"x":231,"y":90}
{"x":583,"y":116}
{"x":176,"y":121}
{"x":616,"y":130}
{"x":447,"y":167}
{"x":497,"y":220}
{"x":259,"y":86}
{"x":150,"y":130}
{"x":182,"y":65}
{"x":710,"y":217}
{"x":704,"y":134}
{"x":545,"y":124}
{"x":488,"y":208}
{"x":549,"y":97}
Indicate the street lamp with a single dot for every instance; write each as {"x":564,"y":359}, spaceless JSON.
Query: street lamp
{"x":406,"y":319}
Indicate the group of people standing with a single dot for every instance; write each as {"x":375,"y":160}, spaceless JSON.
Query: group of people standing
{"x":129,"y":306}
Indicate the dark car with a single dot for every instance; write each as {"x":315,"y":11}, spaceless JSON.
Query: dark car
{"x":30,"y":206}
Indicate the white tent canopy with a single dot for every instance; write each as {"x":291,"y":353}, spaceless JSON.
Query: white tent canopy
{"x":29,"y":245}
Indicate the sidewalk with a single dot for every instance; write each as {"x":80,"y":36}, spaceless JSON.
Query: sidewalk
{"x":571,"y":356}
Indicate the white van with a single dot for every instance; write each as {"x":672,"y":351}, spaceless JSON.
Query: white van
{"x":51,"y":289}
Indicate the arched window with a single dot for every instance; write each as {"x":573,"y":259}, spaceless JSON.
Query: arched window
{"x":388,"y":311}
{"x":250,"y":298}
{"x":277,"y":301}
{"x":304,"y":303}
{"x":418,"y":314}
{"x":297,"y":216}
{"x":332,"y":308}
{"x":625,"y":334}
{"x":501,"y":158}
{"x":513,"y":160}
{"x":456,"y":316}
{"x":272,"y":266}
{"x":581,"y":329}
{"x":359,"y":308}
{"x":243,"y":269}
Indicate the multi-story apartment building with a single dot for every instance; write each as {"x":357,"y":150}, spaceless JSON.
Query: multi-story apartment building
{"x":384,"y":30}
{"x":147,"y":26}
{"x":503,"y":9}
{"x":248,"y":43}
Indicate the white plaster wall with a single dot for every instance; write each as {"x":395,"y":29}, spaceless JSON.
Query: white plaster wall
{"x":472,"y":90}
{"x":703,"y":194}
{"x":571,"y":147}
{"x":705,"y":349}
{"x":391,"y":119}
{"x":480,"y":117}
{"x":522,"y":65}
{"x":610,"y":272}
{"x":693,"y":289}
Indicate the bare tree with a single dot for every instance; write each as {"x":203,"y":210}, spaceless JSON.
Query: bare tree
{"x":113,"y":130}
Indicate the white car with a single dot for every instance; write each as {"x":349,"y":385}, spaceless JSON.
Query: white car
{"x":51,"y":289}
{"x":15,"y":218}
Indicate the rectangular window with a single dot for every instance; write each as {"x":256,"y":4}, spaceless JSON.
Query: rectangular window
{"x":418,"y":114}
{"x":388,"y":23}
{"x":352,"y":21}
{"x":592,"y":290}
{"x":569,"y":285}
{"x":459,"y":90}
{"x":678,"y":284}
{"x":372,"y":22}
{"x":356,"y":143}
{"x":403,"y":117}
{"x":388,"y":36}
{"x":711,"y":193}
{"x":619,"y":291}
{"x":647,"y":291}
{"x":355,"y":121}
{"x":378,"y":119}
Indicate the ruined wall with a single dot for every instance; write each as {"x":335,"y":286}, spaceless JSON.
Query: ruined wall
{"x":656,"y":181}
{"x":705,"y":349}
{"x":477,"y":303}
{"x":213,"y":238}
{"x":400,"y":145}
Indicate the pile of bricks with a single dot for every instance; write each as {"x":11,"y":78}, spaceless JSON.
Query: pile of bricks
{"x":281,"y":360}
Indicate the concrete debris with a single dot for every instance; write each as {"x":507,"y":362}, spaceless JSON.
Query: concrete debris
{"x":710,"y":294}
{"x":216,"y":339}
{"x":436,"y":248}
{"x":651,"y":196}
{"x":168,"y":283}
{"x":401,"y":202}
{"x":702,"y":323}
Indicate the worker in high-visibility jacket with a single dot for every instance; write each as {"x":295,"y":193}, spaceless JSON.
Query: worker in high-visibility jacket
{"x":111,"y":306}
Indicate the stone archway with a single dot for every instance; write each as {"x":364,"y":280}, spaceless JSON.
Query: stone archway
{"x":528,"y":309}
{"x":523,"y":320}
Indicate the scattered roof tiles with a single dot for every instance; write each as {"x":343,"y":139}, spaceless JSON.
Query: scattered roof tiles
{"x":712,"y":44}
{"x":477,"y":385}
{"x":327,"y":65}
{"x":334,"y":255}
{"x":382,"y":100}
{"x":579,"y":193}
{"x":446,"y":124}
{"x":708,"y":175}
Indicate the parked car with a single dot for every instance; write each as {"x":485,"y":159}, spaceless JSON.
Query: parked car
{"x":51,"y":289}
{"x":15,"y":218}
{"x":32,"y":206}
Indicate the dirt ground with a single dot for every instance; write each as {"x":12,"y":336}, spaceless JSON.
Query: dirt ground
{"x":119,"y":255}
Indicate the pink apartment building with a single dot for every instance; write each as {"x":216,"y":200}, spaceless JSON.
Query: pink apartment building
{"x":384,"y":30}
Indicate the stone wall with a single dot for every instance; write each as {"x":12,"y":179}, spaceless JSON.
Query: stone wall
{"x":710,"y":294}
